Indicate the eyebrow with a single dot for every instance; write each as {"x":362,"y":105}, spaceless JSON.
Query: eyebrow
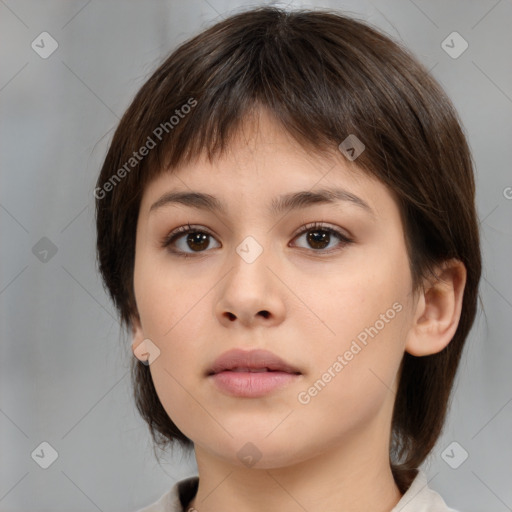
{"x":292,"y":201}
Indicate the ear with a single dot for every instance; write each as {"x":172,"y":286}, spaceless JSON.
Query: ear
{"x":438,"y":310}
{"x":137,"y":338}
{"x":144,"y":349}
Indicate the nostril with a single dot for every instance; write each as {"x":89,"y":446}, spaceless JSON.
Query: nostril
{"x":265,"y":314}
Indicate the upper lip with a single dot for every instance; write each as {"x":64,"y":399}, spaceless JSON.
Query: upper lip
{"x":253,"y":359}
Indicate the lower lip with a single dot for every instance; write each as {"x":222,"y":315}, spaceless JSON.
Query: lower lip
{"x":251,"y":384}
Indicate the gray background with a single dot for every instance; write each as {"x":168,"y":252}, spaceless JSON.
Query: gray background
{"x":64,"y":367}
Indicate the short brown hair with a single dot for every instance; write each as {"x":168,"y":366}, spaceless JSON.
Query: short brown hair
{"x":323,"y":76}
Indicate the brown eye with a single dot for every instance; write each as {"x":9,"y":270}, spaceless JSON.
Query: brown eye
{"x":197,"y":241}
{"x":318,"y":237}
{"x":187,"y":240}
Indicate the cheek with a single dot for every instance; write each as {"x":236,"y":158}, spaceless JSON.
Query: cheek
{"x":173,"y":312}
{"x":173,"y":317}
{"x":367,"y":344}
{"x":346,"y":302}
{"x":353,"y":375}
{"x":367,"y":312}
{"x":165,"y":299}
{"x":174,"y":321}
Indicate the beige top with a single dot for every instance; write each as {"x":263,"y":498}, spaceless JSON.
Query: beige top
{"x":418,"y":498}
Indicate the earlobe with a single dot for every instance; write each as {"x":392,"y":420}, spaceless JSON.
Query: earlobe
{"x":437,"y":311}
{"x":144,"y":349}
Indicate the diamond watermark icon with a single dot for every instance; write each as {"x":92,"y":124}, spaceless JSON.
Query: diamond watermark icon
{"x":249,"y":454}
{"x":45,"y":455}
{"x":44,"y":45}
{"x":351,"y":147}
{"x":146,"y":352}
{"x":44,"y":250}
{"x":454,"y":45}
{"x":454,"y":455}
{"x":249,"y":250}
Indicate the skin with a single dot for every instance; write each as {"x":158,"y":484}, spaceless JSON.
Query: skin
{"x":333,"y":452}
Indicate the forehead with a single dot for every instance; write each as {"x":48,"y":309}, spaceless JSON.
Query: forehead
{"x":260,"y":170}
{"x":263,"y":161}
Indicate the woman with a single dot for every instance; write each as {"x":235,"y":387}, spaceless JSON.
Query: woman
{"x":286,"y":223}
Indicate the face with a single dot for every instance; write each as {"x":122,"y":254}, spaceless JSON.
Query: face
{"x":323,"y":285}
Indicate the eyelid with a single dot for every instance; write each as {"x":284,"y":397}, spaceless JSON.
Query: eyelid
{"x":320,"y":224}
{"x":183,"y":230}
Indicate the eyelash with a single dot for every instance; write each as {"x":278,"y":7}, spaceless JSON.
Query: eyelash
{"x":182,"y":230}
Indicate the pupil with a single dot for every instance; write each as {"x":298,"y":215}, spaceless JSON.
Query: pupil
{"x":320,"y":238}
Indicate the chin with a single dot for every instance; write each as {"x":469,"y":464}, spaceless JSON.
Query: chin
{"x":257,"y":452}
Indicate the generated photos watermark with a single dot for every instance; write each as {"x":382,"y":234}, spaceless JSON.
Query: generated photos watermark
{"x":357,"y":345}
{"x":138,"y":155}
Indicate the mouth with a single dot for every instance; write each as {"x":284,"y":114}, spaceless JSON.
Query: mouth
{"x":245,"y":369}
{"x":251,"y":370}
{"x":253,"y":361}
{"x":251,"y":374}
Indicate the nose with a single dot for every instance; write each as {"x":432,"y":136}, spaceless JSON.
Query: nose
{"x":251,"y":293}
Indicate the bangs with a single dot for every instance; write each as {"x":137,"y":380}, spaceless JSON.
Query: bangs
{"x":320,"y":89}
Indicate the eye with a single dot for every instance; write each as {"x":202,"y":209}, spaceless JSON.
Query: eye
{"x":196,"y":239}
{"x":319,"y":236}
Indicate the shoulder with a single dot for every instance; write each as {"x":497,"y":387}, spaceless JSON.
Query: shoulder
{"x":177,"y":498}
{"x":421,"y":498}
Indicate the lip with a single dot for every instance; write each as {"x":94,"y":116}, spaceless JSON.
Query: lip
{"x":251,"y":374}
